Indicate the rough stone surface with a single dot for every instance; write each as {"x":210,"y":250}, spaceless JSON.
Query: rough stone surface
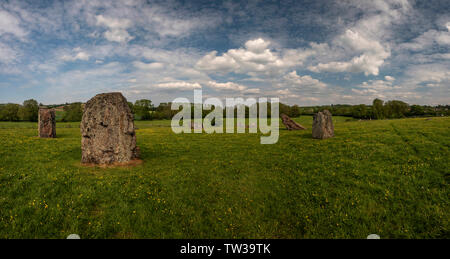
{"x":47,"y":123}
{"x":322,"y":125}
{"x":107,"y":131}
{"x":290,"y":124}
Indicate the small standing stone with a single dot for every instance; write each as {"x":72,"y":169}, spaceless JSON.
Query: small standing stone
{"x":322,"y":125}
{"x":47,"y":123}
{"x":290,"y":124}
{"x":107,"y":131}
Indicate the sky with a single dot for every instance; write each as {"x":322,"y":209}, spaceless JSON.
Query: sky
{"x":304,"y":52}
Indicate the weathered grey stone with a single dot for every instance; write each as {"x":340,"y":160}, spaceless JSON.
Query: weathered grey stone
{"x":322,"y":125}
{"x":107,"y":131}
{"x":47,"y":123}
{"x":290,"y":124}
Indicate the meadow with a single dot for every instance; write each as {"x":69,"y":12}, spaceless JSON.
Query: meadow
{"x":389,"y":177}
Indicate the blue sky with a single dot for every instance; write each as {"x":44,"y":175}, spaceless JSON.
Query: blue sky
{"x":304,"y":52}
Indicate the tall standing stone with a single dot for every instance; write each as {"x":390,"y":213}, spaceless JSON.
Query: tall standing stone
{"x":322,"y":125}
{"x":47,"y":123}
{"x":107,"y":131}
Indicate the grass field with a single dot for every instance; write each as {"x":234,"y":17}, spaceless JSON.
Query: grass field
{"x":387,"y":177}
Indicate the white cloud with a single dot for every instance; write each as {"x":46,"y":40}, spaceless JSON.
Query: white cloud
{"x":257,"y":46}
{"x":118,"y":35}
{"x":303,"y":81}
{"x":226,"y":86}
{"x":428,"y":74}
{"x":369,"y":62}
{"x":389,"y":78}
{"x":170,"y":23}
{"x":113,"y":23}
{"x":148,"y":66}
{"x":212,"y":62}
{"x":11,"y":24}
{"x":252,"y":91}
{"x":378,"y":85}
{"x":117,"y":28}
{"x":255,"y":57}
{"x":179,"y":85}
{"x":179,"y":56}
{"x":384,"y":89}
{"x":285,"y":92}
{"x":79,"y":56}
{"x":427,"y":40}
{"x":7,"y":54}
{"x":365,"y":44}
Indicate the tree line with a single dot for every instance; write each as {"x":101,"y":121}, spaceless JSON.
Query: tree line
{"x":28,"y":111}
{"x":145,"y":110}
{"x":379,"y":109}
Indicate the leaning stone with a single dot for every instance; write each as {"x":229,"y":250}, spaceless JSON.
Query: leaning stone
{"x":107,"y":130}
{"x":47,"y":123}
{"x":290,"y":124}
{"x":322,"y":125}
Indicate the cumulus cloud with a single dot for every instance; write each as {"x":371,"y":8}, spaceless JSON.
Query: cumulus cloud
{"x":255,"y":57}
{"x":212,"y":62}
{"x":257,"y":46}
{"x":117,"y":28}
{"x":369,"y":62}
{"x":367,"y":40}
{"x":303,"y":81}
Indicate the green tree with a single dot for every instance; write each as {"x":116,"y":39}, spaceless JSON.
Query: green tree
{"x":29,"y":110}
{"x":361,"y":111}
{"x":378,"y":109}
{"x":396,"y":109}
{"x":131,"y":105}
{"x":10,"y":112}
{"x":142,"y":109}
{"x":73,"y":112}
{"x":417,"y":110}
{"x":295,"y":111}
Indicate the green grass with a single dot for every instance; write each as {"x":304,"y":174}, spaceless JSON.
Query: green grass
{"x":387,"y":177}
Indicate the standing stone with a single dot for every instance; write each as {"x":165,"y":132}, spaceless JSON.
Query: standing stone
{"x":322,"y":125}
{"x":47,"y":123}
{"x":107,"y":131}
{"x":290,"y":124}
